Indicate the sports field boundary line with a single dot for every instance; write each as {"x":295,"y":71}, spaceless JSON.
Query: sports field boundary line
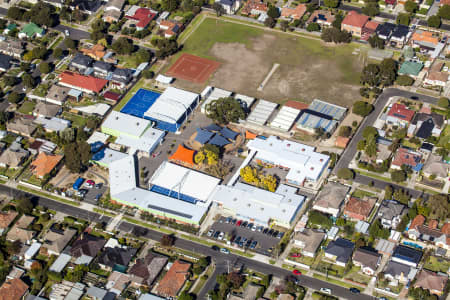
{"x":192,"y":30}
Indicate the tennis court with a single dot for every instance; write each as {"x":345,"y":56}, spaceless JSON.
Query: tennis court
{"x":140,"y":103}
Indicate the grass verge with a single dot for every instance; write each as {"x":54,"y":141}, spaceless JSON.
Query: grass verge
{"x":39,"y":193}
{"x":104,"y":212}
{"x":335,"y":281}
{"x":145,"y":224}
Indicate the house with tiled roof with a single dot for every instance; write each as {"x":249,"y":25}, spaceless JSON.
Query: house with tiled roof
{"x":113,"y":11}
{"x":20,"y":232}
{"x":43,"y":109}
{"x":427,"y":233}
{"x":426,"y":41}
{"x":295,"y":13}
{"x":81,"y":62}
{"x":142,"y":15}
{"x":121,"y":77}
{"x":436,"y":166}
{"x":6,"y":218}
{"x":369,"y":29}
{"x":359,"y":209}
{"x":407,"y":157}
{"x":54,"y":241}
{"x":86,"y":248}
{"x":339,"y":251}
{"x":254,"y":8}
{"x":170,"y":28}
{"x":12,"y":47}
{"x":117,"y":282}
{"x":115,"y":258}
{"x":322,"y":17}
{"x":13,"y":157}
{"x":13,"y":289}
{"x":400,"y":115}
{"x":428,"y":124}
{"x":309,"y":241}
{"x":354,"y":23}
{"x":57,"y":94}
{"x":330,"y":198}
{"x":87,"y":84}
{"x":30,"y":31}
{"x":390,"y":213}
{"x":431,"y":281}
{"x":44,"y":164}
{"x":435,"y":76}
{"x":147,"y":269}
{"x":174,"y":279}
{"x":21,"y":126}
{"x":367,"y":260}
{"x":97,"y":51}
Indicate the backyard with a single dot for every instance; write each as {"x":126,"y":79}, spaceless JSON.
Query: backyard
{"x":308,"y":68}
{"x":437,"y":264}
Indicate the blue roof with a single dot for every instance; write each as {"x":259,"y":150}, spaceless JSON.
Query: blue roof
{"x":140,"y":103}
{"x":213,"y":127}
{"x":219,"y":141}
{"x":228,"y":133}
{"x":203,"y":136}
{"x":418,"y":167}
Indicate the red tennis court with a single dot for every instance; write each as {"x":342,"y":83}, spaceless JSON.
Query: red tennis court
{"x":192,"y":68}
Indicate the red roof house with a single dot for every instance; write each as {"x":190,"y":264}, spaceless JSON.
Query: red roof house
{"x":143,"y":15}
{"x":359,"y":209}
{"x":88,"y":84}
{"x":354,"y":23}
{"x":404,"y":156}
{"x":111,"y":96}
{"x":400,"y":114}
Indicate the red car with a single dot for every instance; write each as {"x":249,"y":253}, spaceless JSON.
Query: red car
{"x":238,"y":223}
{"x":296,"y":255}
{"x":296,"y":272}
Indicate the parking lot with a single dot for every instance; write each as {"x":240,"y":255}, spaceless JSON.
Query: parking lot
{"x":231,"y":232}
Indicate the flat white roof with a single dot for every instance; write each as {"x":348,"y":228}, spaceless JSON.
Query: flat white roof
{"x":106,"y":156}
{"x":259,"y":204}
{"x":285,"y":118}
{"x":301,"y":159}
{"x":60,"y":263}
{"x":54,"y":123}
{"x":125,"y":123}
{"x":261,"y":113}
{"x":122,"y":175}
{"x":164,"y":79}
{"x":171,"y":105}
{"x":99,"y":108}
{"x":185,"y":181}
{"x":146,"y":142}
{"x":34,"y":248}
{"x":97,"y":137}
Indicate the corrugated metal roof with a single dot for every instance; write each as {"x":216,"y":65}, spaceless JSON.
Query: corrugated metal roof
{"x":285,"y":118}
{"x":261,"y":113}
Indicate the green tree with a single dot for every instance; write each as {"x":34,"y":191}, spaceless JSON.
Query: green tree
{"x":143,"y":55}
{"x":186,"y":296}
{"x":439,"y":206}
{"x":14,"y":97}
{"x":345,"y":131}
{"x":398,"y":176}
{"x":44,"y":67}
{"x":9,"y":80}
{"x":15,"y":13}
{"x":28,"y":80}
{"x":388,"y":192}
{"x":371,"y":9}
{"x":57,"y":53}
{"x":284,"y":25}
{"x":270,"y":22}
{"x":376,"y":42}
{"x":335,"y":35}
{"x":346,"y":173}
{"x":170,"y":5}
{"x":77,"y":155}
{"x":69,"y":43}
{"x":24,"y":205}
{"x":403,"y":19}
{"x":166,"y":47}
{"x":388,"y":71}
{"x":273,"y":12}
{"x":444,"y":12}
{"x":434,"y":21}
{"x":369,"y":132}
{"x":313,"y":27}
{"x":338,"y":18}
{"x":404,"y":80}
{"x":443,"y":102}
{"x":331,"y":3}
{"x":411,"y":6}
{"x":362,"y":108}
{"x":167,"y":240}
{"x":122,"y":46}
{"x":218,"y":8}
{"x":225,"y":110}
{"x":371,"y":75}
{"x":371,"y":147}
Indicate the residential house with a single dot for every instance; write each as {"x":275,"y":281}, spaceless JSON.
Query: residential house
{"x":406,"y":255}
{"x":399,"y":36}
{"x":426,"y":41}
{"x":342,"y":142}
{"x":174,"y":279}
{"x":13,"y":157}
{"x":400,"y":115}
{"x":295,"y":13}
{"x":121,"y":77}
{"x":407,"y":157}
{"x":395,"y":271}
{"x":369,"y":29}
{"x":383,"y":152}
{"x":391,"y":213}
{"x":46,"y":110}
{"x":330,"y":198}
{"x":20,"y":232}
{"x":171,"y":28}
{"x":285,"y":297}
{"x":57,"y":94}
{"x":117,"y":282}
{"x":30,"y":31}
{"x":6,"y":218}
{"x":339,"y":251}
{"x":428,"y":124}
{"x":359,"y":209}
{"x":5,"y":62}
{"x":150,"y":297}
{"x":322,"y":17}
{"x":12,"y":48}
{"x":113,"y":11}
{"x":434,"y":282}
{"x":96,"y":52}
{"x":141,"y":15}
{"x":435,"y":76}
{"x":81,"y":62}
{"x":230,"y":6}
{"x":95,"y":293}
{"x":436,"y":166}
{"x":254,"y":8}
{"x":101,"y":68}
{"x":21,"y":126}
{"x":419,"y":231}
{"x":87,"y":84}
{"x":54,"y":241}
{"x":384,"y":31}
{"x":116,"y":258}
{"x":86,"y":248}
{"x":366,"y":259}
{"x":13,"y":289}
{"x":147,"y":269}
{"x":309,"y":241}
{"x":44,"y":164}
{"x":410,"y":68}
{"x":52,"y":124}
{"x":354,"y":23}
{"x":86,"y":6}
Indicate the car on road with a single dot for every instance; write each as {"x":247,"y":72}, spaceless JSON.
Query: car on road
{"x":254,"y":228}
{"x":296,"y":255}
{"x":98,"y":185}
{"x":296,"y":272}
{"x":270,"y":232}
{"x":265,"y":230}
{"x":325,"y":291}
{"x":250,"y":225}
{"x":210,"y":232}
{"x":89,"y":183}
{"x":238,"y":223}
{"x":382,"y":298}
{"x":24,"y":89}
{"x":249,"y":242}
{"x":237,"y":240}
{"x":275,"y":233}
{"x":67,"y":32}
{"x":233,"y":222}
{"x":215,"y":248}
{"x":414,"y":98}
{"x":280,"y":235}
{"x":225,"y":250}
{"x":260,"y":228}
{"x":355,"y":290}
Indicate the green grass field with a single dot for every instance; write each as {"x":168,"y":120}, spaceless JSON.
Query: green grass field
{"x":308,"y":68}
{"x":444,"y":140}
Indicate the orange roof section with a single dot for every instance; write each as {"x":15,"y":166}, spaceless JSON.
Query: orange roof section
{"x":342,"y":142}
{"x":184,"y":155}
{"x":296,"y":104}
{"x":355,"y":19}
{"x":250,"y":135}
{"x":425,"y":36}
{"x":45,"y":163}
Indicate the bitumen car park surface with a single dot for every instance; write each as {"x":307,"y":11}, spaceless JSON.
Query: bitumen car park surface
{"x":93,"y":192}
{"x":264,"y":241}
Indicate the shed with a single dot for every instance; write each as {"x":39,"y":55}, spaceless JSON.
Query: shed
{"x":262,"y":112}
{"x":31,"y":252}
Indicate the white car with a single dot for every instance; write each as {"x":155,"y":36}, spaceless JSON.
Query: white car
{"x":67,"y":32}
{"x":221,"y":236}
{"x":210,"y":232}
{"x":225,"y":251}
{"x":326,"y":291}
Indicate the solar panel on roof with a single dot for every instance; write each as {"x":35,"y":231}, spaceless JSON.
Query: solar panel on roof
{"x":203,"y":136}
{"x":219,"y":141}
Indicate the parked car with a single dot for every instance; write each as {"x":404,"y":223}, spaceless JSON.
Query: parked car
{"x":270,"y":232}
{"x":216,"y":235}
{"x":89,"y":184}
{"x":67,"y":32}
{"x":296,"y":255}
{"x":253,"y":245}
{"x":260,"y":228}
{"x":250,"y":225}
{"x":221,"y":236}
{"x":254,"y":228}
{"x":249,"y":242}
{"x":238,"y":223}
{"x":244,"y":224}
{"x":98,"y":197}
{"x":225,"y":250}
{"x":325,"y":291}
{"x":296,"y":272}
{"x":280,"y":235}
{"x":237,"y":240}
{"x":210,"y":232}
{"x":355,"y":290}
{"x":265,"y":230}
{"x":275,"y":233}
{"x":228,"y":220}
{"x":233,"y":222}
{"x":215,"y":248}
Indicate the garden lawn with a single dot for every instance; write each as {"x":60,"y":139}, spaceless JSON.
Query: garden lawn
{"x":360,"y":194}
{"x":27,"y":107}
{"x":437,"y":264}
{"x":136,"y":87}
{"x":77,"y":121}
{"x":444,"y":140}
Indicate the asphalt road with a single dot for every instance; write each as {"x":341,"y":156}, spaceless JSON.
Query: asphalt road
{"x":221,"y":260}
